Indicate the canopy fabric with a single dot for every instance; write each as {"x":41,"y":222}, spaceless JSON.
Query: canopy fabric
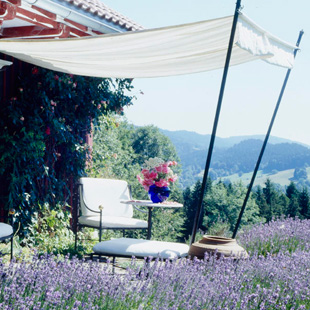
{"x":175,"y":50}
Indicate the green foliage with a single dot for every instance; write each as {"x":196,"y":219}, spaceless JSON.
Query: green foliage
{"x":43,"y":142}
{"x":273,"y":203}
{"x":113,"y":155}
{"x":293,"y":206}
{"x":221,"y":207}
{"x":49,"y":230}
{"x":191,"y":200}
{"x":224,"y":202}
{"x":304,"y":203}
{"x":149,"y":142}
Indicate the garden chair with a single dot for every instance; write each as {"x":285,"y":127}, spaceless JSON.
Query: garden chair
{"x":6,"y":232}
{"x":100,"y":206}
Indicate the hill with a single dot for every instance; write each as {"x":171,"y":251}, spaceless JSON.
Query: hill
{"x":237,"y":156}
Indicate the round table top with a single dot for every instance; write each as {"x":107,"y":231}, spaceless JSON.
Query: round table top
{"x":149,"y":203}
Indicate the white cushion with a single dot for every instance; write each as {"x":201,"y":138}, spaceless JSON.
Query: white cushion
{"x":5,"y":230}
{"x":141,"y":248}
{"x":106,"y":192}
{"x":113,"y":222}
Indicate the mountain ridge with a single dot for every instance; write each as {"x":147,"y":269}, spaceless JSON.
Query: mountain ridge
{"x":204,"y":139}
{"x":238,"y":155}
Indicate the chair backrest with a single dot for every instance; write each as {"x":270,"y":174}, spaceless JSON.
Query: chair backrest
{"x":106,"y":192}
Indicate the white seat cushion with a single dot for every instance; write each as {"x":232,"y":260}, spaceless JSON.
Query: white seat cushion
{"x":141,"y":248}
{"x":106,"y":192}
{"x":113,"y":222}
{"x":5,"y":230}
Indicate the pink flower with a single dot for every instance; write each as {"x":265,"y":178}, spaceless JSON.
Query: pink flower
{"x":148,"y":182}
{"x":172,"y":163}
{"x":157,"y":173}
{"x":162,"y":183}
{"x":162,"y":169}
{"x":153,"y":175}
{"x":144,"y":171}
{"x":173,"y":178}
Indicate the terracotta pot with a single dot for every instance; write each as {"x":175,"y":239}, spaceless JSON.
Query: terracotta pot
{"x":227,"y":247}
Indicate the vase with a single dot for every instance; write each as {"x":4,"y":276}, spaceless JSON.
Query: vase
{"x":158,"y":194}
{"x":227,"y":247}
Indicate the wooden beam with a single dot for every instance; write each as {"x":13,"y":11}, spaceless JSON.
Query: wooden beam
{"x":77,"y":25}
{"x":7,"y":11}
{"x":48,"y":14}
{"x":62,"y":31}
{"x":34,"y":18}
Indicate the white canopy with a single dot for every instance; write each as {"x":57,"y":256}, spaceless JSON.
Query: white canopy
{"x":168,"y":51}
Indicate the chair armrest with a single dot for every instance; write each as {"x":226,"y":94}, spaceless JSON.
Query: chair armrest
{"x":130,"y":196}
{"x":143,"y":211}
{"x":95,"y":211}
{"x":11,"y":213}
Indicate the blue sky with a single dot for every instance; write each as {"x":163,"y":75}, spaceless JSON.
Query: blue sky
{"x":188,"y":102}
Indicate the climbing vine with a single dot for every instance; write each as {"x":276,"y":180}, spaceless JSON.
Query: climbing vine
{"x":44,"y":132}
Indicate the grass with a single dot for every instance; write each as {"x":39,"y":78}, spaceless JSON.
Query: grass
{"x":281,"y":177}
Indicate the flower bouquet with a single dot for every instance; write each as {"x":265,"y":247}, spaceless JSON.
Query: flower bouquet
{"x":156,"y":177}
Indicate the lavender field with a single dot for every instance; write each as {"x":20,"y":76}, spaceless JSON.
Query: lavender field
{"x":276,"y":276}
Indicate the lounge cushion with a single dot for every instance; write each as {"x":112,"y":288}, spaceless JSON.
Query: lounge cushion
{"x":141,"y":248}
{"x":5,"y":230}
{"x":113,"y":222}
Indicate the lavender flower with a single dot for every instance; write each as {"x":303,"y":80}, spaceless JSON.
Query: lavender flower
{"x":269,"y":281}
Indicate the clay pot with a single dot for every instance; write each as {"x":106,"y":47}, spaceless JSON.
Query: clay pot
{"x":227,"y":247}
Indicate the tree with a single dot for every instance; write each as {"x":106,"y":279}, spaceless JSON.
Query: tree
{"x":300,"y":173}
{"x":292,"y":194}
{"x":191,"y":199}
{"x":275,"y":206}
{"x":262,"y":203}
{"x":304,"y":203}
{"x":149,"y":142}
{"x":224,"y":204}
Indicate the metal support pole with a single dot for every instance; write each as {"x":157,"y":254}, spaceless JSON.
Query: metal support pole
{"x":217,"y":114}
{"x":265,"y":142}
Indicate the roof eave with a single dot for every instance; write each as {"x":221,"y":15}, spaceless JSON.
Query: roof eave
{"x":78,"y":15}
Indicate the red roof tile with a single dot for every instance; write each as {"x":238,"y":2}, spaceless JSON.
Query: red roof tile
{"x":97,"y":7}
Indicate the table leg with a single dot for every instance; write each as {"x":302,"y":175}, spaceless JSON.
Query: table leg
{"x":149,"y":220}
